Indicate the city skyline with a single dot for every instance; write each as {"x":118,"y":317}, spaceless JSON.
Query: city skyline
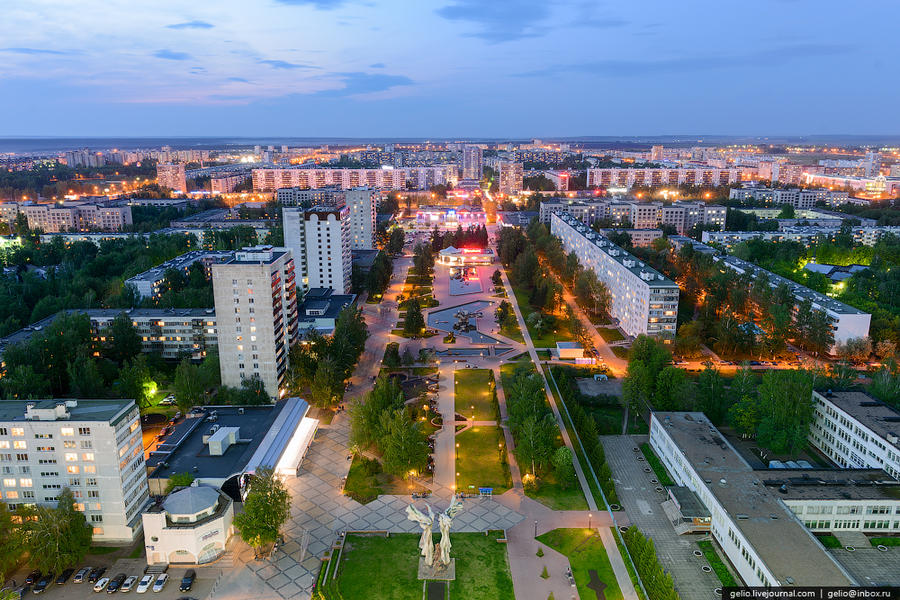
{"x":445,"y":68}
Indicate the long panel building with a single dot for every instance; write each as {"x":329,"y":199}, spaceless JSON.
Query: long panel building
{"x":658,"y":177}
{"x":642,"y":215}
{"x":643,"y":300}
{"x":807,"y":236}
{"x":92,"y":447}
{"x":419,"y":178}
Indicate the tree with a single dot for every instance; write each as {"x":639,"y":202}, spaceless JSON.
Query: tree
{"x":85,"y":380}
{"x":179,"y":480}
{"x":189,"y":387}
{"x":885,"y":349}
{"x":57,"y":538}
{"x":497,"y":278}
{"x":23,"y":383}
{"x":396,"y":241}
{"x":670,"y":389}
{"x":563,"y":468}
{"x":404,"y":446}
{"x":414,"y":324}
{"x":122,"y":340}
{"x":711,"y":397}
{"x":327,"y":386}
{"x":392,"y":356}
{"x":534,"y":444}
{"x":786,"y":410}
{"x":855,"y":349}
{"x":267,"y":507}
{"x":10,"y":542}
{"x":135,"y":382}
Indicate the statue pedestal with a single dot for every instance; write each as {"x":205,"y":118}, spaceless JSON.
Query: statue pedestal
{"x":437,"y":571}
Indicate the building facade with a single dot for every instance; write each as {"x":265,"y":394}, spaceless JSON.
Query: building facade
{"x":68,"y":216}
{"x":660,"y":177}
{"x":172,"y":176}
{"x":192,"y":525}
{"x":418,"y":178}
{"x":92,"y":447}
{"x":256,"y":315}
{"x":643,"y":301}
{"x":511,"y":176}
{"x":796,"y":197}
{"x":472,"y":162}
{"x":641,"y":215}
{"x":319,"y":239}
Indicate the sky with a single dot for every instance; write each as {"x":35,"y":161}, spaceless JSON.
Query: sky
{"x":448,"y":68}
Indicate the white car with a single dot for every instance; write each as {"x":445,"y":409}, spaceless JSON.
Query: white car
{"x":101,"y":584}
{"x":128,"y":584}
{"x":160,"y":582}
{"x":144,"y":584}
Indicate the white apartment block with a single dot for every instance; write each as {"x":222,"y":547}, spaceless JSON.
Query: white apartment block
{"x":846,"y":322}
{"x":659,"y":177}
{"x":642,"y":215}
{"x":765,"y":542}
{"x":643,"y":300}
{"x":320,"y":239}
{"x":560,"y":179}
{"x":472,"y":162}
{"x":856,"y":431}
{"x":307,"y":197}
{"x":152,"y":283}
{"x":68,"y":216}
{"x":256,"y":315}
{"x":796,"y":197}
{"x":807,"y":236}
{"x":362,"y":203}
{"x":225,"y":184}
{"x":510,"y":177}
{"x":419,"y":178}
{"x":171,"y":176}
{"x":92,"y":447}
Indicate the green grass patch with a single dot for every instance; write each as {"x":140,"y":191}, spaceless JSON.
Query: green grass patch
{"x":551,"y":494}
{"x":366,"y":481}
{"x":610,"y":334}
{"x":137,"y":552}
{"x":830,"y":541}
{"x":658,"y":468}
{"x":482,"y":568}
{"x":586,"y":553}
{"x":101,"y":550}
{"x":720,"y":568}
{"x":481,"y":460}
{"x":620,"y":352}
{"x":884,"y":541}
{"x":474,"y":388}
{"x":543,"y":354}
{"x":512,"y":331}
{"x":560,"y":333}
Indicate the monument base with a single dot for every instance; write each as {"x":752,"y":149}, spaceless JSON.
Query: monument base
{"x":437,"y":571}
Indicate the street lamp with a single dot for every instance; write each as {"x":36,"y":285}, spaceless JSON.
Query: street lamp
{"x":590,"y":517}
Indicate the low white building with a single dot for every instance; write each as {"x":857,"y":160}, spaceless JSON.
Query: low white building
{"x":190,"y":526}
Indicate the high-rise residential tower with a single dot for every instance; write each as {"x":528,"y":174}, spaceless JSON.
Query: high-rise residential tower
{"x":320,"y":240}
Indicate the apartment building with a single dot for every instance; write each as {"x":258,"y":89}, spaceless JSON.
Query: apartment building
{"x":642,"y":299}
{"x":256,"y":315}
{"x":766,"y":543}
{"x":856,"y":431}
{"x":418,"y":178}
{"x":560,"y":179}
{"x":92,"y":447}
{"x":320,"y":240}
{"x":152,"y":283}
{"x":68,"y":216}
{"x":846,"y":322}
{"x":511,"y":175}
{"x":641,"y":215}
{"x":172,"y":176}
{"x":796,"y":197}
{"x":307,"y":197}
{"x":639,"y":237}
{"x":472,"y":162}
{"x":807,"y":236}
{"x":225,"y":184}
{"x":659,"y":177}
{"x":362,"y":203}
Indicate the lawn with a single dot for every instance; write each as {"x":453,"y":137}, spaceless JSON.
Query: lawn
{"x":658,"y":468}
{"x":389,"y":566}
{"x":552,"y":495}
{"x":830,"y":541}
{"x":586,"y":553}
{"x":478,"y":460}
{"x":549,"y":338}
{"x":620,"y":352}
{"x":474,"y":387}
{"x":512,"y":331}
{"x":712,"y":557}
{"x":883,"y":541}
{"x":610,"y":334}
{"x":366,"y":481}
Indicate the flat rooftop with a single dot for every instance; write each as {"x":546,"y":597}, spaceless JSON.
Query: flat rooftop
{"x":617,"y":253}
{"x":831,"y":484}
{"x":181,"y":263}
{"x":184,"y":450}
{"x":880,"y":418}
{"x":79,"y":410}
{"x":789,"y":550}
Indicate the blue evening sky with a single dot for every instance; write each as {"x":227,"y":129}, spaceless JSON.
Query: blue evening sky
{"x":437,"y":68}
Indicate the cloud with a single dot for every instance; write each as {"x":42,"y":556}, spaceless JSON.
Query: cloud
{"x":638,"y":68}
{"x":319,"y":4}
{"x":500,"y":21}
{"x":238,"y":79}
{"x":191,"y":25}
{"x":377,"y":66}
{"x":171,"y":55}
{"x":38,"y":51}
{"x":366,"y":83}
{"x":198,"y":70}
{"x":283,"y":64}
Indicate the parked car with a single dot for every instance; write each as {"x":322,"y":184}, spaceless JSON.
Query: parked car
{"x":128,"y":584}
{"x":32,"y":577}
{"x":82,"y":574}
{"x":115,"y":583}
{"x":101,"y":584}
{"x":42,"y":583}
{"x":64,"y":576}
{"x":160,"y":582}
{"x":168,"y":400}
{"x":96,"y":574}
{"x":144,"y":584}
{"x":187,"y":582}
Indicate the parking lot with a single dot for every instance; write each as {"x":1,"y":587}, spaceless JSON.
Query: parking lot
{"x":203,"y":584}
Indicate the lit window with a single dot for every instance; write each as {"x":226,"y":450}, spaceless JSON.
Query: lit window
{"x":72,"y":469}
{"x":71,"y":456}
{"x":67,"y":431}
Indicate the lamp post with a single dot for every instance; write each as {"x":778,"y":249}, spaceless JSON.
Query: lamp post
{"x":590,"y":517}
